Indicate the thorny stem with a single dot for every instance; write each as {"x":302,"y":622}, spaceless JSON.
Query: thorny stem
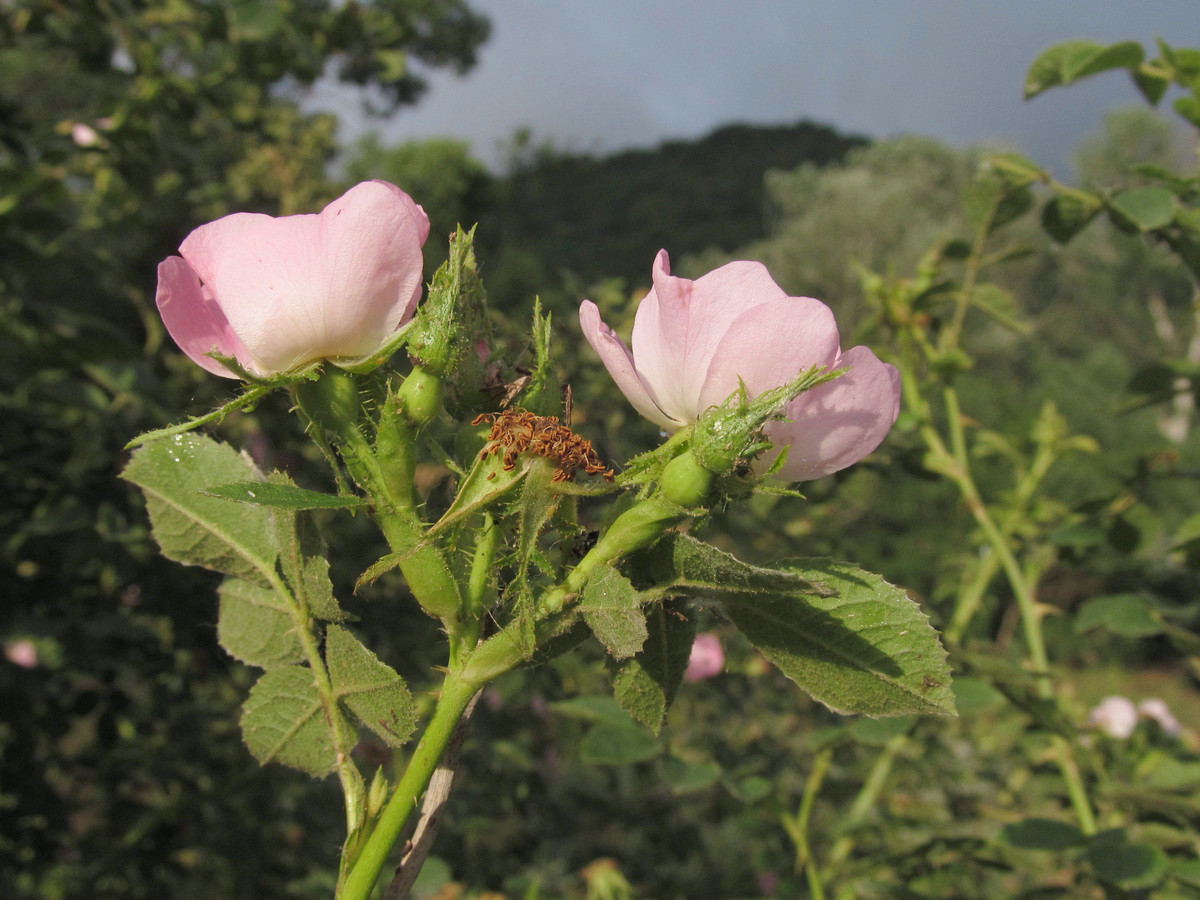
{"x":457,"y":691}
{"x":433,"y":807}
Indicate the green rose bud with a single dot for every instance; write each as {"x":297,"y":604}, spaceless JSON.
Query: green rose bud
{"x":685,"y":481}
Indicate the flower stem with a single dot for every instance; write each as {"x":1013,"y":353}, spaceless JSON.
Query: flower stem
{"x":457,"y":691}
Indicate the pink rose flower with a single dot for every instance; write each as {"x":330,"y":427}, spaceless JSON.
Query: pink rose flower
{"x":279,"y":293}
{"x":1115,"y":716}
{"x":707,"y":658}
{"x":693,"y":340}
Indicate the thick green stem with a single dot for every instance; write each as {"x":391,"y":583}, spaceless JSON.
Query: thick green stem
{"x":457,"y":692}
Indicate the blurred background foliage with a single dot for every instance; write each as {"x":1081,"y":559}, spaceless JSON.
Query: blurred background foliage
{"x":125,"y":124}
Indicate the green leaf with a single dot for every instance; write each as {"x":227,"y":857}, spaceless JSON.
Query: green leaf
{"x":1069,"y":213}
{"x":283,"y":496}
{"x":369,"y":687}
{"x":255,"y":625}
{"x":1042,"y":834}
{"x":1073,"y":60}
{"x":1125,"y":614}
{"x":1085,"y":61}
{"x":612,"y":608}
{"x":686,"y":778}
{"x":1129,"y":866}
{"x":591,"y":708}
{"x":196,"y":529}
{"x":617,"y":745}
{"x":645,"y":684}
{"x":1189,"y":108}
{"x":1145,"y":208}
{"x":1151,"y":84}
{"x":303,"y":560}
{"x":283,"y":721}
{"x":847,"y":637}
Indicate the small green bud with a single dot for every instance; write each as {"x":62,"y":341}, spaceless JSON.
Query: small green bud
{"x":685,"y":481}
{"x":331,"y":401}
{"x":421,"y":396}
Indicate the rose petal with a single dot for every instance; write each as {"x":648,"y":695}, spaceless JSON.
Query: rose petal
{"x":619,"y":362}
{"x":835,"y":425}
{"x":301,"y":288}
{"x":194,"y":320}
{"x":769,"y":345}
{"x":680,"y":324}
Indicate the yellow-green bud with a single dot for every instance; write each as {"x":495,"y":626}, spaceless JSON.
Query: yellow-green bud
{"x":685,"y":481}
{"x":421,"y":396}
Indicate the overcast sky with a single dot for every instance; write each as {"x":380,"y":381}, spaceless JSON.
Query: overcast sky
{"x":602,"y":75}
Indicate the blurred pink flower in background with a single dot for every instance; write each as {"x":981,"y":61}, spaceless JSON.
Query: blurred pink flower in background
{"x":23,"y":653}
{"x":693,"y":340}
{"x":279,"y":293}
{"x":84,"y":135}
{"x":1156,"y":709}
{"x":1118,"y":716}
{"x":1115,"y":716}
{"x":707,"y":658}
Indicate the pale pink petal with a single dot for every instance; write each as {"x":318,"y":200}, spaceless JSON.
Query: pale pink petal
{"x":680,"y":323}
{"x":301,"y":288}
{"x":835,"y":425}
{"x":1115,"y":716}
{"x":769,"y":345}
{"x":706,"y":659}
{"x":617,"y":359}
{"x":194,"y":320}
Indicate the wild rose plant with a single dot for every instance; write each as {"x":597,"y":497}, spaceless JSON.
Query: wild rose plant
{"x":751,"y":384}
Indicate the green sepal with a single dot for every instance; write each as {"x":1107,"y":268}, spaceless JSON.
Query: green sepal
{"x":445,"y":336}
{"x":727,"y":434}
{"x":542,"y":393}
{"x":246,"y":401}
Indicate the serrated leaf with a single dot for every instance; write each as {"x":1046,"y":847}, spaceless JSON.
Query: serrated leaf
{"x":1144,"y":208}
{"x":612,"y":608}
{"x":255,"y":625}
{"x":283,"y":721}
{"x":1046,"y":71}
{"x":865,"y":649}
{"x":196,"y":529}
{"x":302,"y":557}
{"x":645,"y":684}
{"x":284,"y":496}
{"x":370,"y":688}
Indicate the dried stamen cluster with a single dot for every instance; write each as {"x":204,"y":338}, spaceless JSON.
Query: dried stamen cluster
{"x":517,"y":431}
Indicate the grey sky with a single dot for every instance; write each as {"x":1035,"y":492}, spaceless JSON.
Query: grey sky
{"x":609,"y":74}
